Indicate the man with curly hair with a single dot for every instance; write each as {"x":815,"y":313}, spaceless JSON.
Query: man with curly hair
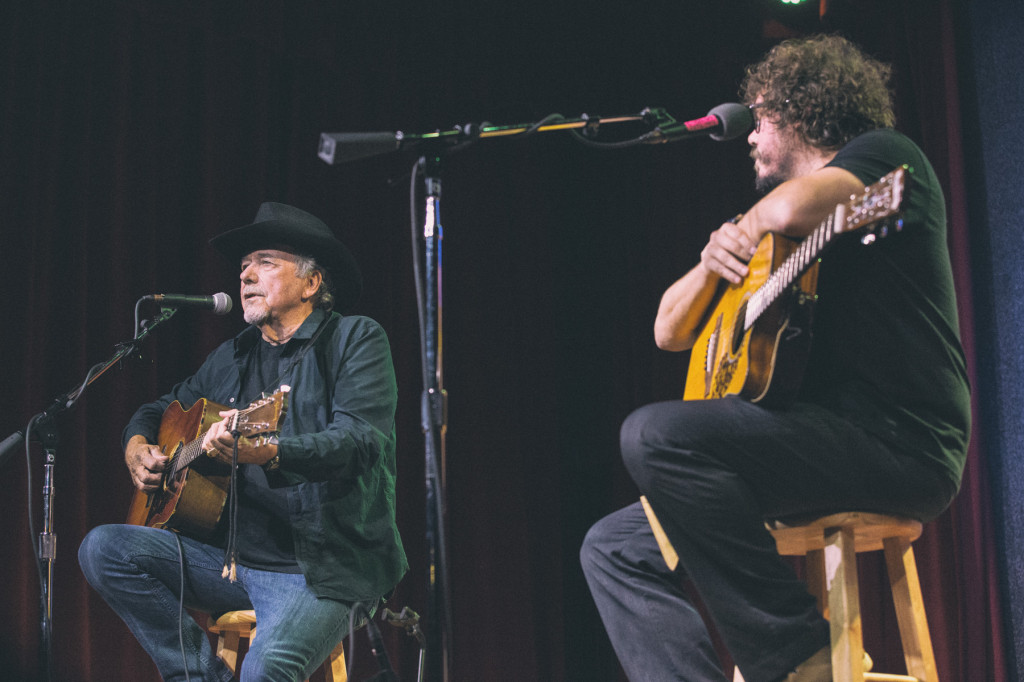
{"x":879,"y":423}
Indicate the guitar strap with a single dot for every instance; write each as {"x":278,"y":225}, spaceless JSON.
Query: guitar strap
{"x":297,"y":358}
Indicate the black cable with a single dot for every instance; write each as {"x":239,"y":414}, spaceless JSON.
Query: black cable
{"x":181,"y":606}
{"x":231,"y":549}
{"x":31,"y":522}
{"x":386,"y":672}
{"x":34,"y":541}
{"x":74,"y":396}
{"x":138,"y":318}
{"x":623,"y":144}
{"x":350,"y":655}
{"x":417,"y":269}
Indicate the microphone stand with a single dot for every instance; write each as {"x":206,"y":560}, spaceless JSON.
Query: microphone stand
{"x":341,"y":147}
{"x":433,"y":416}
{"x":44,"y":427}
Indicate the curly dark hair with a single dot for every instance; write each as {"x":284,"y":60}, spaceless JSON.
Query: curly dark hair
{"x":824,"y":86}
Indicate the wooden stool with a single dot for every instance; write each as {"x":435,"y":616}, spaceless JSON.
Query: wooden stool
{"x":830,"y":544}
{"x":233,"y":626}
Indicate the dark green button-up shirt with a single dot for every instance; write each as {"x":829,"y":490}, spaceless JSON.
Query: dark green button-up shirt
{"x":337,"y":448}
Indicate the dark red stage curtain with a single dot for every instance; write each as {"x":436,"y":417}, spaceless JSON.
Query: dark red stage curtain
{"x":131,"y":132}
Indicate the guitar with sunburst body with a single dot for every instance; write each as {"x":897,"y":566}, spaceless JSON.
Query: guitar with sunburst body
{"x":195,"y":486}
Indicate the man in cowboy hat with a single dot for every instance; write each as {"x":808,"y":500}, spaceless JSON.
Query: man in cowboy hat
{"x":315,"y":534}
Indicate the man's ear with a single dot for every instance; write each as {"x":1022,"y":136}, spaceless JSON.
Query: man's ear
{"x":313,"y":281}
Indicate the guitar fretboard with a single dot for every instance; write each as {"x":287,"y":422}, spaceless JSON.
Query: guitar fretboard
{"x":188,"y":454}
{"x":191,"y":450}
{"x":789,"y":271}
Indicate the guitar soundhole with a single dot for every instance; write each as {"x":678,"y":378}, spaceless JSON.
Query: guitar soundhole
{"x":738,"y":330}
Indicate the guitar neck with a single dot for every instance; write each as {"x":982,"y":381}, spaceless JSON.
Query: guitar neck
{"x":254,"y":422}
{"x":189,"y":453}
{"x":791,"y":269}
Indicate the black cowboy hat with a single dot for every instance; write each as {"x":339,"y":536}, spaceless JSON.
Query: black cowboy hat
{"x":292,"y":229}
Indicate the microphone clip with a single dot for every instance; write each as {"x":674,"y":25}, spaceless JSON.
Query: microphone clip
{"x":657,"y":117}
{"x":724,"y":122}
{"x":664,"y":128}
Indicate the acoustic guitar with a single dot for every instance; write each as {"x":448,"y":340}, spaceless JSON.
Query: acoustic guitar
{"x":756,"y":340}
{"x":195,"y":486}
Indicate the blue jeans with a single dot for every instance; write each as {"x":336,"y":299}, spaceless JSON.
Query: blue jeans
{"x":136,"y":570}
{"x":713,"y":471}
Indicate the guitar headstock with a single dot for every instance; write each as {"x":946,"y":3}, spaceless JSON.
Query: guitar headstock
{"x":879,"y":203}
{"x":263,"y":416}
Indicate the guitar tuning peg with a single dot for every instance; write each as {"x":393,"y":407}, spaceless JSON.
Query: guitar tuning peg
{"x":868,"y":238}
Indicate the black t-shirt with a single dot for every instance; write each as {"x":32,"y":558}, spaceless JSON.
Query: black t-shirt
{"x":886,"y":351}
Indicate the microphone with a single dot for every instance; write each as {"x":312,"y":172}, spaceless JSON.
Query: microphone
{"x":342,"y":147}
{"x":724,"y":122}
{"x":219,"y":303}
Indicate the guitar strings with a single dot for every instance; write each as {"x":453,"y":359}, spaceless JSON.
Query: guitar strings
{"x":790,"y":269}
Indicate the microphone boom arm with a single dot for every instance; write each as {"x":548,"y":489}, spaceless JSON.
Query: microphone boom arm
{"x":124,"y":349}
{"x":338,"y":148}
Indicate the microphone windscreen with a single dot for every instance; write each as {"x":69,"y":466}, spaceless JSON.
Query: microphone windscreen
{"x":221,"y":303}
{"x":342,"y":147}
{"x":736,"y":120}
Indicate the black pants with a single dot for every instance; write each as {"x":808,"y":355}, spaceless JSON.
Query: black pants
{"x":713,"y":471}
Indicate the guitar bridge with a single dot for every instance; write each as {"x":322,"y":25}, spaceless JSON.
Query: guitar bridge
{"x":710,"y":353}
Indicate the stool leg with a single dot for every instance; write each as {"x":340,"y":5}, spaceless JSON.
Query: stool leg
{"x":227,"y":649}
{"x":844,"y":607}
{"x":668,"y":552}
{"x":336,"y":671}
{"x":816,"y":582}
{"x":906,"y":594}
